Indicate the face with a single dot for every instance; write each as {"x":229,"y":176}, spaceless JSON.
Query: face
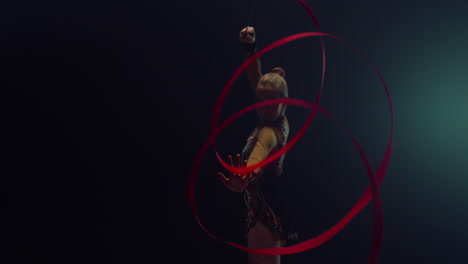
{"x":270,"y":112}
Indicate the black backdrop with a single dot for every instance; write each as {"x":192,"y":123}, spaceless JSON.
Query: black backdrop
{"x":106,"y":104}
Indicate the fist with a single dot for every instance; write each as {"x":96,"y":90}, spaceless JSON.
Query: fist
{"x":247,"y":35}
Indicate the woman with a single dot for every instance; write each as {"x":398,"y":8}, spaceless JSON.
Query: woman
{"x":264,"y":229}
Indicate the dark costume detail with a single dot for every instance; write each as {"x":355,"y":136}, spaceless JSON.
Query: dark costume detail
{"x":262,"y":185}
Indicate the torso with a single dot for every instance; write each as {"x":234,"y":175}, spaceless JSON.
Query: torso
{"x":258,"y":193}
{"x":281,"y":128}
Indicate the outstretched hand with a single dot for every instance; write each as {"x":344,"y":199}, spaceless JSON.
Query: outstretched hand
{"x":247,"y":35}
{"x":235,"y":182}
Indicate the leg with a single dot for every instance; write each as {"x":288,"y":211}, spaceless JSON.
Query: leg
{"x":261,"y":236}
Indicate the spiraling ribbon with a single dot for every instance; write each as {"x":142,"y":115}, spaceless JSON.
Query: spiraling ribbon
{"x":375,"y":180}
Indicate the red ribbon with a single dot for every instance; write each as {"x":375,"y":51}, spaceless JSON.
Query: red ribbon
{"x":372,"y":192}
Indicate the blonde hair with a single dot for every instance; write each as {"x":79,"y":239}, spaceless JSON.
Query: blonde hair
{"x":275,"y":78}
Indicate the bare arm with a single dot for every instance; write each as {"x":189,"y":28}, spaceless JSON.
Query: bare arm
{"x":254,"y":70}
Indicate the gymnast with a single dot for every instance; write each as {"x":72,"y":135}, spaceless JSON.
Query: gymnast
{"x":264,"y":228}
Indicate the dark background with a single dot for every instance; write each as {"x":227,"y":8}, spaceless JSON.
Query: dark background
{"x":105,"y":105}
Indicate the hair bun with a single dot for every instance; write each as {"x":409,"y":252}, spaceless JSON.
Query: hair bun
{"x":279,"y":71}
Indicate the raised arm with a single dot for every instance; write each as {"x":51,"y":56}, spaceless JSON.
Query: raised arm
{"x":254,"y":70}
